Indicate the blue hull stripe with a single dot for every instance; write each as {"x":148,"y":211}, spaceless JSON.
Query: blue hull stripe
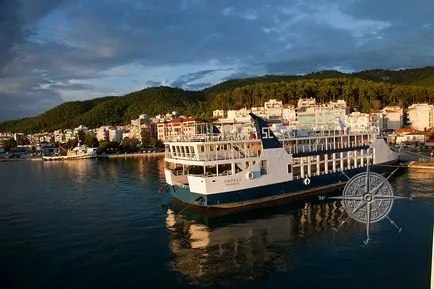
{"x":272,"y":191}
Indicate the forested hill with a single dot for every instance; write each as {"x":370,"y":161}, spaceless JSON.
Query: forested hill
{"x":109,"y":110}
{"x":364,"y":90}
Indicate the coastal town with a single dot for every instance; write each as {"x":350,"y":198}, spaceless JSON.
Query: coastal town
{"x":413,"y":127}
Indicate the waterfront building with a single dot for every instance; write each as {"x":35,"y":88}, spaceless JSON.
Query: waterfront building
{"x":324,"y":116}
{"x":219,"y":113}
{"x":379,"y":119}
{"x":388,"y":118}
{"x":102,"y":133}
{"x":241,"y":115}
{"x":46,"y":137}
{"x":289,"y":113}
{"x":115,"y":134}
{"x":59,"y":136}
{"x":358,"y":122}
{"x":306,"y":102}
{"x":258,"y":110}
{"x":230,"y":126}
{"x":69,"y":134}
{"x":273,"y":108}
{"x":421,"y":115}
{"x":411,"y":137}
{"x":80,"y":128}
{"x":394,"y":117}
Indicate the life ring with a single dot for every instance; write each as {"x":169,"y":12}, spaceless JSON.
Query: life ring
{"x":250,"y":175}
{"x":306,"y":181}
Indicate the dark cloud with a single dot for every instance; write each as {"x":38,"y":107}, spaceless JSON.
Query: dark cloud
{"x":77,"y":49}
{"x":14,"y":17}
{"x":21,"y":104}
{"x":11,"y":29}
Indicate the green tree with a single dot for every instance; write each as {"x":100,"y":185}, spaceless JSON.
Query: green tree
{"x":145,"y":135}
{"x":70,"y":144}
{"x":130,"y":145}
{"x":158,"y":143}
{"x":108,"y":146}
{"x":81,"y":136}
{"x":91,"y":141}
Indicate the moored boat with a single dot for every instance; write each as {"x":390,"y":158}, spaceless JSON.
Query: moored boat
{"x":77,"y":153}
{"x":227,"y":171}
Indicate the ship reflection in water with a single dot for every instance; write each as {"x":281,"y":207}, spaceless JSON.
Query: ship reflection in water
{"x":232,"y":250}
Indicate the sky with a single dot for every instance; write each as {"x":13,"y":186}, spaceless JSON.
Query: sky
{"x":53,"y":51}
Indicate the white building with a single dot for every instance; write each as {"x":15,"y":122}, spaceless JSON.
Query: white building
{"x":115,"y":135}
{"x":102,"y":133}
{"x":379,"y":119}
{"x":306,"y":102}
{"x":320,"y":117}
{"x":288,"y":113}
{"x":273,"y":108}
{"x":241,"y":115}
{"x":79,"y":128}
{"x":258,"y":110}
{"x":358,"y":122}
{"x":412,"y":137}
{"x":394,"y":117}
{"x":69,"y":134}
{"x":421,"y":116}
{"x":219,"y":113}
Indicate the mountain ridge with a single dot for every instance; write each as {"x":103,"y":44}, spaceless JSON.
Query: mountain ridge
{"x":365,"y":90}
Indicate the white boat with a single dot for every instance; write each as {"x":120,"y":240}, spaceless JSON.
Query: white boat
{"x":227,"y":171}
{"x":77,"y":153}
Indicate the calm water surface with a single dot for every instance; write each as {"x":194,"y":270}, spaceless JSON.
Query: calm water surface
{"x":101,"y":224}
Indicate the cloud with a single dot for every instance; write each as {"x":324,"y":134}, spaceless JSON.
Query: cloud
{"x":60,"y":50}
{"x":11,"y":30}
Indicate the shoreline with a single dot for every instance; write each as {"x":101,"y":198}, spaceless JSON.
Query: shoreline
{"x":133,"y":155}
{"x":416,"y":165}
{"x":111,"y":156}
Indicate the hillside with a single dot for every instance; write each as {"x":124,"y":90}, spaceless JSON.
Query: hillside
{"x":364,"y":90}
{"x":417,"y":76}
{"x":108,"y":110}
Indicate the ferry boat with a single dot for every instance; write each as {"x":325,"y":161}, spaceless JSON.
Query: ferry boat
{"x":222,"y":170}
{"x":77,"y":153}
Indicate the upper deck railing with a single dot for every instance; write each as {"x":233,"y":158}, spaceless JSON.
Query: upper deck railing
{"x":295,"y":134}
{"x":232,"y":154}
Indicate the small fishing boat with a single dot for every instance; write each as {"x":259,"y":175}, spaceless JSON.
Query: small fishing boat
{"x":77,"y":153}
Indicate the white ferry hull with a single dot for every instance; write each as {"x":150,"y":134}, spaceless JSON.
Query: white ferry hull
{"x":272,"y":192}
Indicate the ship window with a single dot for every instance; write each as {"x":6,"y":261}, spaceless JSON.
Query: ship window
{"x":289,"y":169}
{"x":296,"y":172}
{"x":264,"y":169}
